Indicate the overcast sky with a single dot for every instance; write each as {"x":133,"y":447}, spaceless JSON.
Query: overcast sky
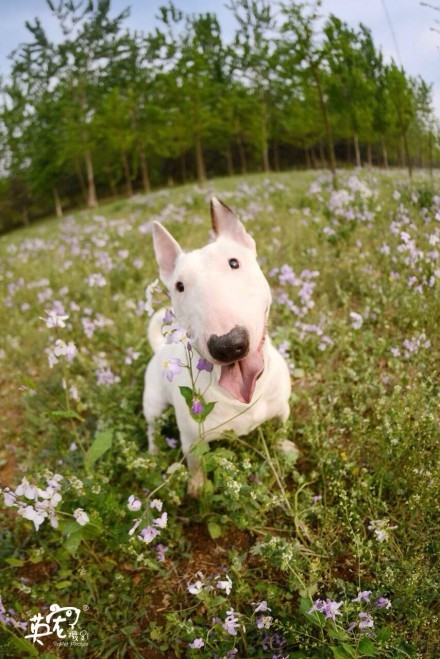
{"x":415,"y":44}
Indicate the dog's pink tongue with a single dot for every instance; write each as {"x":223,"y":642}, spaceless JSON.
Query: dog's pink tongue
{"x":240,"y":378}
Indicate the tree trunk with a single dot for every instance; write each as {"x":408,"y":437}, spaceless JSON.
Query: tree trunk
{"x":307,"y":155}
{"x":82,"y":183}
{"x":369,"y":155}
{"x":313,"y":157}
{"x":430,"y":153}
{"x":242,"y":155}
{"x":112,"y":186}
{"x":263,"y":134}
{"x":348,"y":153}
{"x":276,"y":156}
{"x":127,"y":174}
{"x":25,"y":216}
{"x":327,"y":126}
{"x":402,"y":152}
{"x":384,"y":151}
{"x":229,"y":161}
{"x":183,"y":170}
{"x":357,"y":150}
{"x":201,"y":171}
{"x":408,"y":158}
{"x":144,"y":170}
{"x":92,"y":200}
{"x":322,"y":156}
{"x":57,"y":202}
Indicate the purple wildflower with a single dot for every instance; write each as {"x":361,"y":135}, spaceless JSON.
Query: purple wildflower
{"x":161,"y":521}
{"x":204,"y":365}
{"x":363,"y":596}
{"x":169,"y":316}
{"x":171,"y":442}
{"x":171,"y":367}
{"x":264,"y":622}
{"x":148,"y":534}
{"x":366,"y":620}
{"x":331,"y":609}
{"x":197,"y":643}
{"x":133,"y":504}
{"x":197,"y":406}
{"x":231,"y":623}
{"x":383,"y":602}
{"x":317,"y":606}
{"x":161,"y":551}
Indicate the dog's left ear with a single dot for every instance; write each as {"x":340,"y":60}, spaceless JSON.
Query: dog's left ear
{"x":225,"y":223}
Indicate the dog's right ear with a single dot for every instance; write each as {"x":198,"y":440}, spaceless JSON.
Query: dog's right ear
{"x":225,"y":223}
{"x":167,"y":249}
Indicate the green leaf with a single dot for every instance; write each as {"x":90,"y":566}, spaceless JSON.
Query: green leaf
{"x":65,"y":414}
{"x":349,"y":649}
{"x":337,"y":633}
{"x":102,"y":442}
{"x":340,"y":653}
{"x":188,"y":395}
{"x":200,"y":448}
{"x":72,"y":542}
{"x":207,"y":410}
{"x":383,"y":634}
{"x":63,"y":584}
{"x":217,"y":601}
{"x":25,"y":648}
{"x":214,"y":530}
{"x":366,"y":647}
{"x":14,"y":562}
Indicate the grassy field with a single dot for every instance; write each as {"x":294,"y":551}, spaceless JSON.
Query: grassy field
{"x":331,"y":553}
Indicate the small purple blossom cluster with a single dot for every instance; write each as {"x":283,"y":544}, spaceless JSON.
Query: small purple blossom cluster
{"x":415,"y":251}
{"x":37,"y":503}
{"x":305,"y":285}
{"x":104,"y":374}
{"x":331,"y":609}
{"x":153,"y":529}
{"x":7,"y":617}
{"x":56,"y":318}
{"x":412,"y":346}
{"x":233,"y":620}
{"x":203,"y":584}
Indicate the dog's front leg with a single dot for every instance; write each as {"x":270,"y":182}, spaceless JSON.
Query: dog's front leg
{"x":196,"y":475}
{"x":152,"y":448}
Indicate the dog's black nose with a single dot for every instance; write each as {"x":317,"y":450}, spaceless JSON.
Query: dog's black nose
{"x":229,"y":347}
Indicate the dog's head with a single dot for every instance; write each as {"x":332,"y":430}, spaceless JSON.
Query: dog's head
{"x":222,"y":298}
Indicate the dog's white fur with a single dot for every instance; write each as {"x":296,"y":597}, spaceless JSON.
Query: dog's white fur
{"x":215,"y":299}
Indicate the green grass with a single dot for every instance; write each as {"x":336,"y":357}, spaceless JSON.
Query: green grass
{"x":364,"y":415}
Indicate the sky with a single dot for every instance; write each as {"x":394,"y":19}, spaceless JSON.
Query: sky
{"x":416,"y":46}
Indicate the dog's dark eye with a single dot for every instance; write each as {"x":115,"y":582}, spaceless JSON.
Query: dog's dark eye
{"x":234,"y":264}
{"x":180,"y":287}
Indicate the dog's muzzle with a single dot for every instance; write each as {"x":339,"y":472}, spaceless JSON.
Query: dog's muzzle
{"x":231,"y":347}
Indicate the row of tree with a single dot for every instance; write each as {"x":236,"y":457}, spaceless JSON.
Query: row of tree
{"x":106,"y":110}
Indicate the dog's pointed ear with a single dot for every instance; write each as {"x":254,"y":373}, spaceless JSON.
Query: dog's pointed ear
{"x":167,"y":249}
{"x":225,"y":223}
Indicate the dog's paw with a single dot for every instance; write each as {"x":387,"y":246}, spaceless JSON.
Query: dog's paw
{"x":195,"y":484}
{"x":289,"y":449}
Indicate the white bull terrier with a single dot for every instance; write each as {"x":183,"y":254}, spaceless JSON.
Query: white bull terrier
{"x":220,"y":295}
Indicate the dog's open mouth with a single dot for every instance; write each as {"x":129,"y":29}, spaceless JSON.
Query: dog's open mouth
{"x":240,"y":377}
